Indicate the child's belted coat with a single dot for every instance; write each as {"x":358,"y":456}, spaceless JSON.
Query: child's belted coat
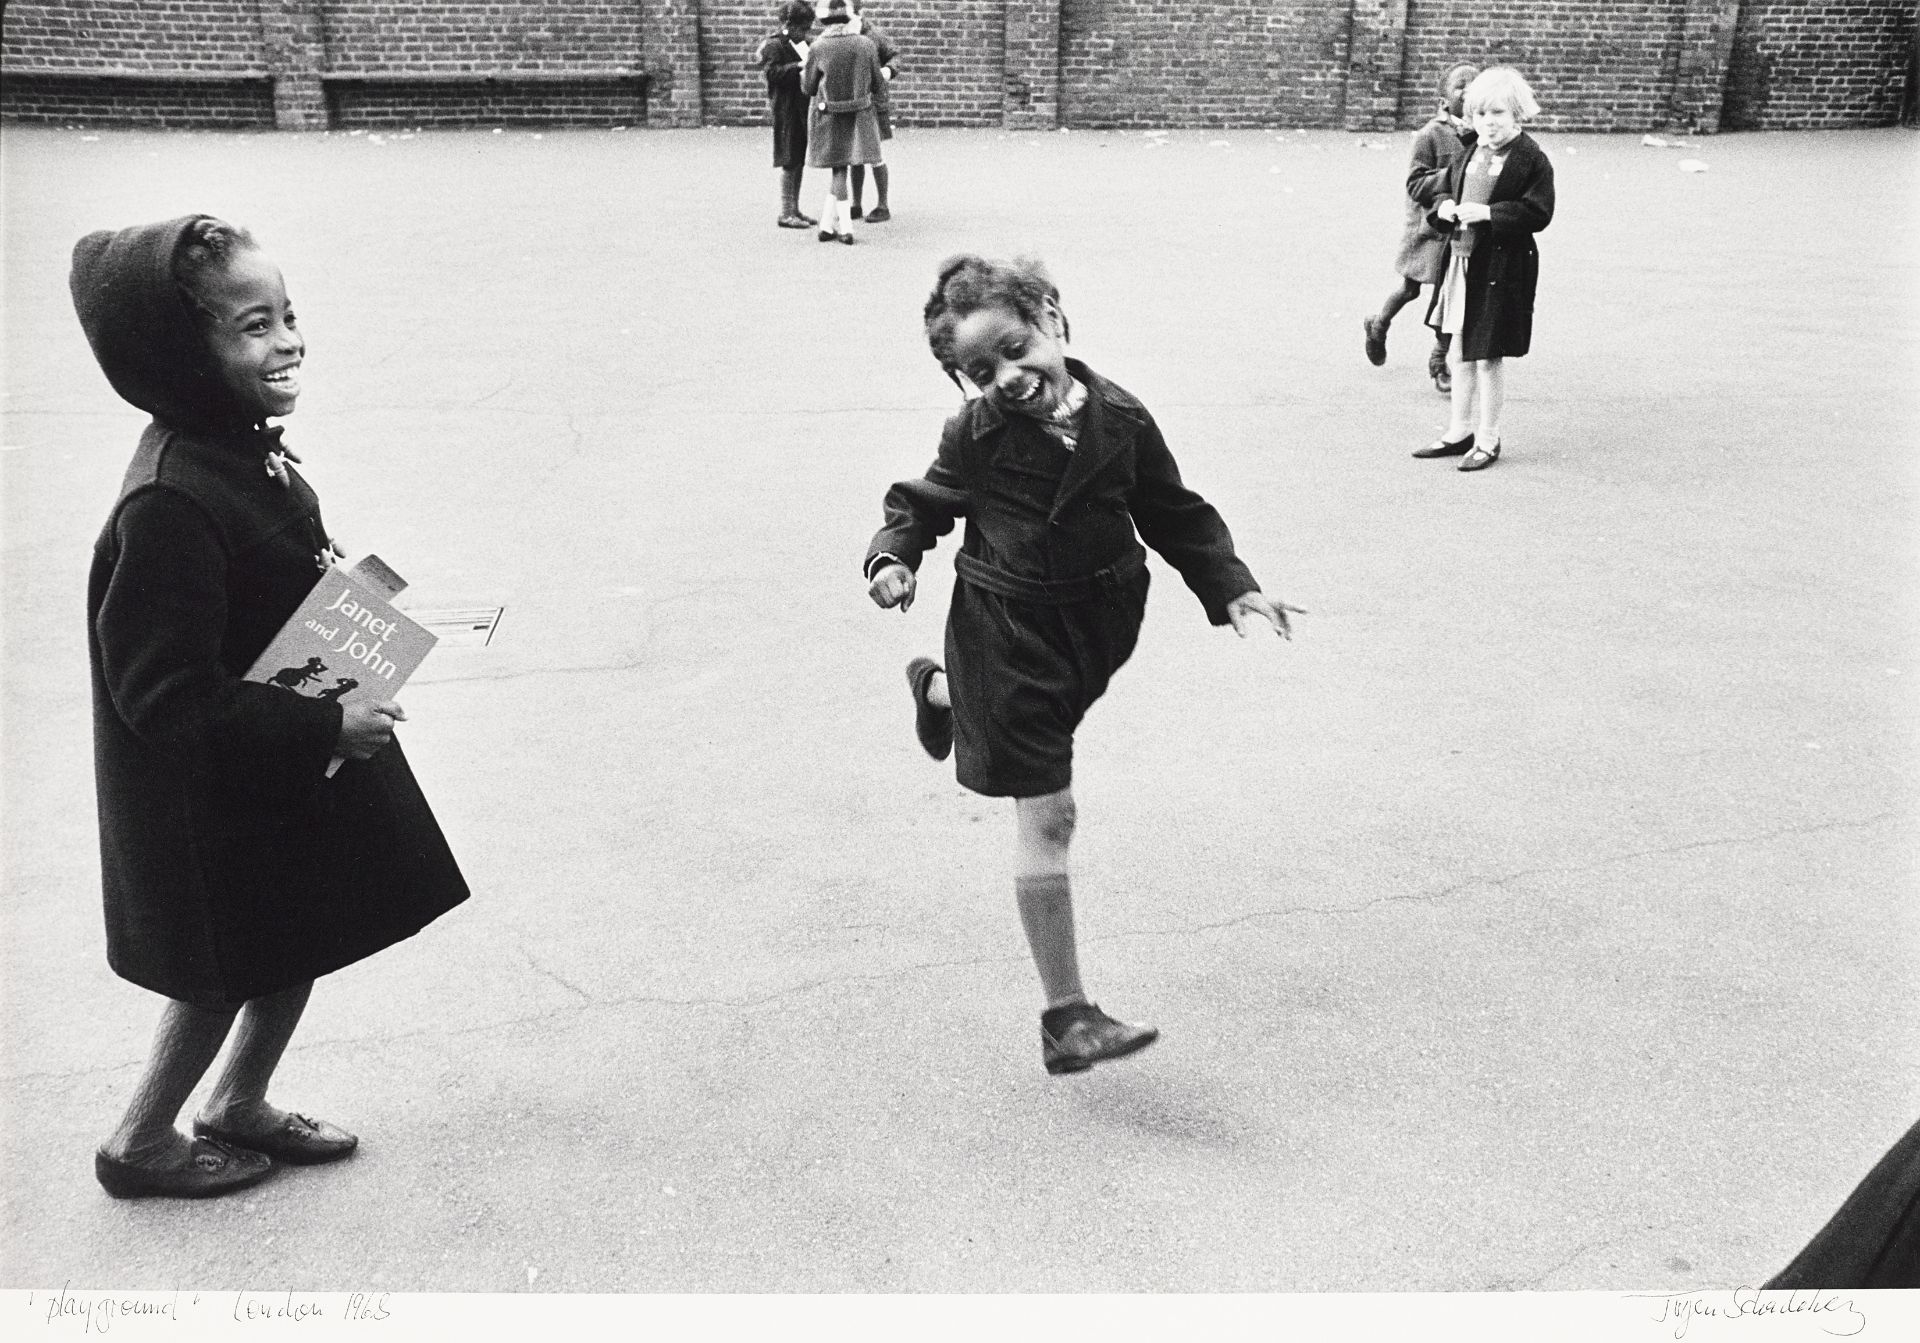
{"x":1051,"y":582}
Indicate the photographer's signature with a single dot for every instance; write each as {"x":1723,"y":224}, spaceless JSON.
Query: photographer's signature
{"x":1836,"y":1312}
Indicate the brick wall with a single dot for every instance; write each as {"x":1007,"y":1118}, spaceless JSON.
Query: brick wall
{"x":209,"y":35}
{"x":1797,"y":66}
{"x":1606,"y":67}
{"x":199,"y":105}
{"x":952,"y":53}
{"x":1625,"y":65}
{"x":1210,"y":63}
{"x":549,"y":103}
{"x":486,"y":35}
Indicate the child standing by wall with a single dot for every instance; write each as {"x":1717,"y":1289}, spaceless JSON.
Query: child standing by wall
{"x":841,"y":74}
{"x":882,"y":114}
{"x":1053,"y":467}
{"x":1495,"y":195}
{"x":781,"y":55}
{"x":1423,"y":249}
{"x":235,"y":872}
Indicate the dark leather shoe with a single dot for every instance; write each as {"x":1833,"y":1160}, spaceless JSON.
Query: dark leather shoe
{"x":932,"y":724}
{"x":1480,"y":459}
{"x":880,"y":214}
{"x":1073,"y":1039}
{"x":299,"y":1141}
{"x":214,"y":1169}
{"x":827,"y":235}
{"x":856,"y":212}
{"x":1441,"y":448}
{"x":795,"y":221}
{"x":847,"y":238}
{"x":1376,"y":340}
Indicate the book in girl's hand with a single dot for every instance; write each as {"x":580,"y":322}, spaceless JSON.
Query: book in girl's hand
{"x":346,"y":642}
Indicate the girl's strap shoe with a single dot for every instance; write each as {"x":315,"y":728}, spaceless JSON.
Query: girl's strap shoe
{"x":932,"y":724}
{"x":1441,"y":448}
{"x":214,"y":1168}
{"x":1480,"y":458}
{"x":299,"y":1141}
{"x":1075,"y":1037}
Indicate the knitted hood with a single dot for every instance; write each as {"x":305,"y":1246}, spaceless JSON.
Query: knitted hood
{"x":143,"y":331}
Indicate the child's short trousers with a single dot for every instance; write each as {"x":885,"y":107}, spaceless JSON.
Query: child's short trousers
{"x":1023,"y":674}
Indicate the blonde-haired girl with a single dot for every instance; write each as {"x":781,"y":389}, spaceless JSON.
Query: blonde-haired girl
{"x":1497,"y":193}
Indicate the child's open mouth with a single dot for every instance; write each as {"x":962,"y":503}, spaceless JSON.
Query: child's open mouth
{"x":1030,"y":396}
{"x":284,"y":379}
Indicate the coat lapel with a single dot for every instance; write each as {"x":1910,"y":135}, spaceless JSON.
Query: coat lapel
{"x":1109,"y":432}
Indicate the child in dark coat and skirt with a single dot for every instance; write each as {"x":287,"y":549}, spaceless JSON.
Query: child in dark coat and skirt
{"x":1423,"y":248}
{"x":1495,"y":195}
{"x":781,"y":56}
{"x":1053,"y":468}
{"x":882,"y":115}
{"x":235,"y":871}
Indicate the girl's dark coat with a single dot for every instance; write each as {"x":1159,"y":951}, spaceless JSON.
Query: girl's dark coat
{"x":1121,"y":477}
{"x":1504,"y":269}
{"x":231,"y":866}
{"x":781,"y":61}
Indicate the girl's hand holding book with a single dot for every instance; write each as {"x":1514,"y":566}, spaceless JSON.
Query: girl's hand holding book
{"x":1242,"y":610}
{"x":366,"y":727}
{"x":892,"y":586}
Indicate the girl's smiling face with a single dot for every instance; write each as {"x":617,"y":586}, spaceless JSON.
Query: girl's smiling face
{"x":1495,"y":124}
{"x":1021,"y":366}
{"x":251,"y":332}
{"x":1456,"y":90}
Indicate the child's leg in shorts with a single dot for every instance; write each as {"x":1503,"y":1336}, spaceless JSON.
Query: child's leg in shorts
{"x":1045,"y":893}
{"x":184,"y":1046}
{"x":238,"y":1102}
{"x":1408,"y":291}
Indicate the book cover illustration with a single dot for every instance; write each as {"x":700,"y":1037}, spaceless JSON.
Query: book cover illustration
{"x":346,"y":642}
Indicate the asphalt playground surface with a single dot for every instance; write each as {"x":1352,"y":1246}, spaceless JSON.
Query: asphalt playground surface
{"x":1542,"y":917}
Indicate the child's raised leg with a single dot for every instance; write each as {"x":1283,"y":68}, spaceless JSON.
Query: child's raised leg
{"x":1375,"y":327}
{"x":1045,"y":893}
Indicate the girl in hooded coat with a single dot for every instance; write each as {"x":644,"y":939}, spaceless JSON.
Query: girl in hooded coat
{"x":234,"y":871}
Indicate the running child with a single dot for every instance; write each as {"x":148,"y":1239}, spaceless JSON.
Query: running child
{"x":234,"y":871}
{"x":1423,"y":249}
{"x":1054,"y":468}
{"x":1495,"y":195}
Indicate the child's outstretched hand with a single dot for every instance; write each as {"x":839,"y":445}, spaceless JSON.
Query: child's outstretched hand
{"x":1242,"y":609}
{"x":892,"y":586}
{"x":367,"y":726}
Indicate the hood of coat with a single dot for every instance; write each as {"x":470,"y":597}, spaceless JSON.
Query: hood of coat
{"x":143,"y":330}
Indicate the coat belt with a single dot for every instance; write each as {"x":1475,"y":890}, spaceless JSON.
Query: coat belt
{"x":1051,"y":592}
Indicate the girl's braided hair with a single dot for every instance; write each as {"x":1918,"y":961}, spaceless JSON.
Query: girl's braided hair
{"x":968,"y":283}
{"x":205,"y":249}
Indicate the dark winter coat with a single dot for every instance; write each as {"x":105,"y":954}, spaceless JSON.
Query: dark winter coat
{"x":1121,"y":477}
{"x":1504,"y":270}
{"x":231,"y":866}
{"x":787,"y":103}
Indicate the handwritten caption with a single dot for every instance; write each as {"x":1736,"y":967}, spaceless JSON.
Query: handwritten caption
{"x":1834,"y":1313}
{"x":100,"y":1312}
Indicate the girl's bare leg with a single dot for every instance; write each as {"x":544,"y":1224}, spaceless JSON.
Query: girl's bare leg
{"x":1045,"y":830}
{"x":1460,"y":404}
{"x":184,"y":1046}
{"x":238,"y":1103}
{"x":1491,"y":375}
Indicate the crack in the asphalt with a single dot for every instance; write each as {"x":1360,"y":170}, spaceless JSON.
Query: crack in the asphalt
{"x":588,"y":1001}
